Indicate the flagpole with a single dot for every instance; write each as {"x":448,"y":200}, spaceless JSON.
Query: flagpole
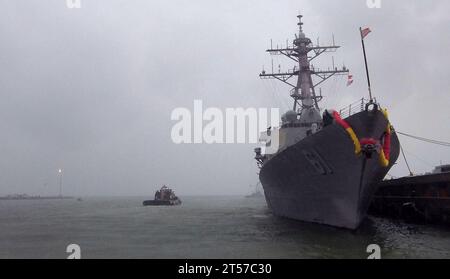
{"x":365,"y":61}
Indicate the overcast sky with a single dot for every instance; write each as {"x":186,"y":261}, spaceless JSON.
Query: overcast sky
{"x":91,"y":90}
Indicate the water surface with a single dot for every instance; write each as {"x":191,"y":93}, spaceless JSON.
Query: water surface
{"x":213,"y":227}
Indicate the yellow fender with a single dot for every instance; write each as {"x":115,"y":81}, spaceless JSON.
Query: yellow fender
{"x":382,"y":157}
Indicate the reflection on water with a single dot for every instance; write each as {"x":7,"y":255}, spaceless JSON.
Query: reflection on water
{"x":213,"y":227}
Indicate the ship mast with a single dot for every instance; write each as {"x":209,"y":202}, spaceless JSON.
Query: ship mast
{"x":305,"y":89}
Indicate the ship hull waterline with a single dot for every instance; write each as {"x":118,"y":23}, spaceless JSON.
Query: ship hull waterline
{"x":321,"y":179}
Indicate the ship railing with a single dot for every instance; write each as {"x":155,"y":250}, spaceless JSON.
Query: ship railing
{"x":354,"y":108}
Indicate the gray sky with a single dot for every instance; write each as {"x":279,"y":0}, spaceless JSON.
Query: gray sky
{"x":91,"y":90}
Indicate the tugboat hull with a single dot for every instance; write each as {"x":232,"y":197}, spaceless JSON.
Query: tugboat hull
{"x":160,"y":203}
{"x":321,"y":179}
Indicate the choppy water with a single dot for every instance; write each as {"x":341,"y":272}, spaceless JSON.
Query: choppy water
{"x":218,"y":227}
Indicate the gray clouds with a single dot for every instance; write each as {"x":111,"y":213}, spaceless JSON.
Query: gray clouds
{"x":91,"y":90}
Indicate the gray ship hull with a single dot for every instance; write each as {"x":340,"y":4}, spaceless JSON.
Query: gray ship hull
{"x":321,"y":180}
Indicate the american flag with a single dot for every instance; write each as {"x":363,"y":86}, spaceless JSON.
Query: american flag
{"x":350,"y":80}
{"x":365,"y":32}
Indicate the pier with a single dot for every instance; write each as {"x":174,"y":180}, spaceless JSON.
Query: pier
{"x":423,"y":199}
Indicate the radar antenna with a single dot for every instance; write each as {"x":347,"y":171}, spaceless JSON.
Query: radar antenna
{"x":303,"y":52}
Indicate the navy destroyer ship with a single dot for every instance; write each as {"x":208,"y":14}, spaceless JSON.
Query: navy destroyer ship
{"x":323,"y":166}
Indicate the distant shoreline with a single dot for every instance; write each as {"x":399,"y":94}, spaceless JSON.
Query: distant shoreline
{"x":16,"y":198}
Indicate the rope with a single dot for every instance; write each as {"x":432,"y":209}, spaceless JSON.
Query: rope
{"x":428,"y":164}
{"x":406,"y":161}
{"x":442,"y":143}
{"x":431,"y":141}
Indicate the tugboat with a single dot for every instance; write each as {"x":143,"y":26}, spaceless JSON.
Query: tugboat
{"x":163,"y":197}
{"x":323,"y":166}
